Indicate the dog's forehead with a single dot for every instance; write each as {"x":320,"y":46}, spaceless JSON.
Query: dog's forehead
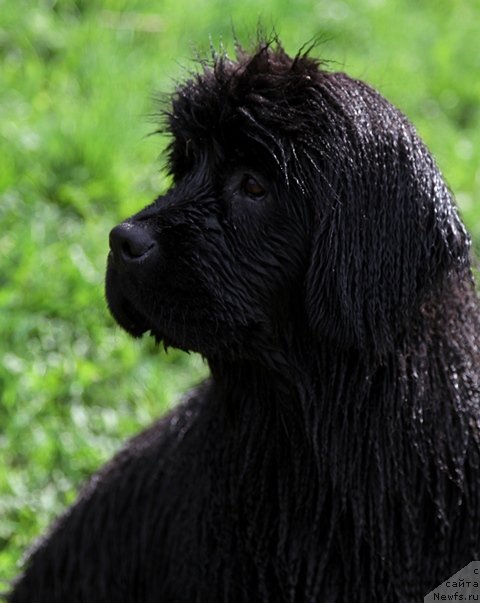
{"x":258,"y":95}
{"x":276,"y":108}
{"x":268,"y":92}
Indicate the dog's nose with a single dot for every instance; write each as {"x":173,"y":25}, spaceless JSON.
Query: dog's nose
{"x":130,"y":243}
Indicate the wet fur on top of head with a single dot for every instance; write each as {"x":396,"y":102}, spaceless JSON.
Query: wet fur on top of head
{"x":310,"y":250}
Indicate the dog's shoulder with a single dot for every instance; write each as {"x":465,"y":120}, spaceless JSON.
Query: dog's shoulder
{"x":154,"y":450}
{"x":126,"y":501}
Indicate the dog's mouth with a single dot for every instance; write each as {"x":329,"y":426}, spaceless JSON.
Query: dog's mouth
{"x":130,"y":319}
{"x":133,"y":308}
{"x":127,"y":313}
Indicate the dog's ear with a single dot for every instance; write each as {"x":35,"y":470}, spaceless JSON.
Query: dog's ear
{"x":385,"y":233}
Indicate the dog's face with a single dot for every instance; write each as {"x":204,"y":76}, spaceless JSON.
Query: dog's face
{"x":299,"y":197}
{"x":212,"y":263}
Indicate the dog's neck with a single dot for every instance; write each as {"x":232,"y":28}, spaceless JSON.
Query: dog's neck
{"x":345,"y":444}
{"x":348,"y":410}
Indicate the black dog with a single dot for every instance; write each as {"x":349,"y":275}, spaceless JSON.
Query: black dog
{"x":311,"y":252}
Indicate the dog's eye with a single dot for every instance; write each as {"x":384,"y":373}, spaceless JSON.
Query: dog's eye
{"x":252,"y":187}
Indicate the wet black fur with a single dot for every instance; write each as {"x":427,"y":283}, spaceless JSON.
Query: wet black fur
{"x":333,"y":455}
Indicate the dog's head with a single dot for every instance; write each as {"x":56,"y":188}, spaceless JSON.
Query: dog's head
{"x":301,"y":201}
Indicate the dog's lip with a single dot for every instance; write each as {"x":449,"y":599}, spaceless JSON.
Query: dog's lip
{"x":122,"y":309}
{"x":132,"y":321}
{"x":126,"y":303}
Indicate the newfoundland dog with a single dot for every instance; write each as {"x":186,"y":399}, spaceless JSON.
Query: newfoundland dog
{"x":310,"y":250}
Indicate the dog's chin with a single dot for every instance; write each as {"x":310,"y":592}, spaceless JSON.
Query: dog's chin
{"x":137,"y":326}
{"x":126,"y":313}
{"x":132,"y":320}
{"x":127,"y":317}
{"x":174,"y":325}
{"x":190,"y":337}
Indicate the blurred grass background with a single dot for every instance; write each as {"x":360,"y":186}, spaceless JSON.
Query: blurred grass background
{"x":76,"y":85}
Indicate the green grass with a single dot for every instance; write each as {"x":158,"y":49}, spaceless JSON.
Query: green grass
{"x":76,"y":83}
